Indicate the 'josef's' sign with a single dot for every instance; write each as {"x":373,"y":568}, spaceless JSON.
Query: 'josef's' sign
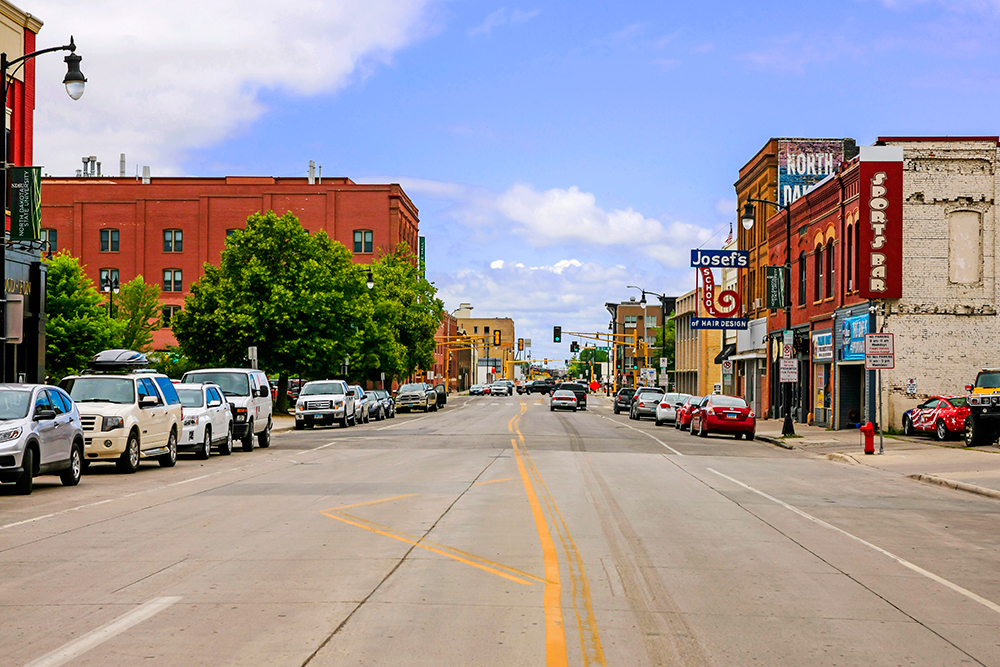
{"x":737,"y":259}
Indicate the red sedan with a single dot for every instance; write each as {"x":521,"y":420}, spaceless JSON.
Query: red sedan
{"x":683,"y":419}
{"x":724,"y":414}
{"x":943,"y":416}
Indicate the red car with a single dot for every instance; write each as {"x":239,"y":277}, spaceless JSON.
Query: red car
{"x":683,"y":419}
{"x":943,"y":416}
{"x":724,"y":414}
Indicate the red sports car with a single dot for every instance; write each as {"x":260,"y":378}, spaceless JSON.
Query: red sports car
{"x":724,"y":414}
{"x":683,"y":419}
{"x":944,"y":416}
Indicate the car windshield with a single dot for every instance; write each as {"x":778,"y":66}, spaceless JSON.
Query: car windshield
{"x":649,"y":396}
{"x":315,"y":388}
{"x":988,"y":380}
{"x":233,"y":384}
{"x":190,"y":397}
{"x":120,"y":391}
{"x":729,"y":401}
{"x":959,"y":402}
{"x":626,"y":392}
{"x":412,"y":387}
{"x":14,"y":404}
{"x":674,"y":398}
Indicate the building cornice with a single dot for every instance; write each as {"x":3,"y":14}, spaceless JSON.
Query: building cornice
{"x":21,"y":17}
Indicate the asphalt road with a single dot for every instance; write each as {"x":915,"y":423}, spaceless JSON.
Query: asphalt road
{"x":496,"y":532}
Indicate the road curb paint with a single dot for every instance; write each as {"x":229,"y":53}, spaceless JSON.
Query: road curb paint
{"x":957,"y":486}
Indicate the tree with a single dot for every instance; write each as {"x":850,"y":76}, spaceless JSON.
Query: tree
{"x":298,"y":297}
{"x":78,"y":325}
{"x":137,"y":308}
{"x":172,"y":362}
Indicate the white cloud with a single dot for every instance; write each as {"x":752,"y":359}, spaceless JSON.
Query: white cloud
{"x":500,"y":18}
{"x":166,"y":78}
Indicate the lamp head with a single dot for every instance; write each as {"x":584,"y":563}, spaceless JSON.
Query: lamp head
{"x":747,"y":218}
{"x":74,"y":79}
{"x":371,"y":280}
{"x":642,"y":301}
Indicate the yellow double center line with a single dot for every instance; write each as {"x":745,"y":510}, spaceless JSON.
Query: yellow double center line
{"x":555,"y":631}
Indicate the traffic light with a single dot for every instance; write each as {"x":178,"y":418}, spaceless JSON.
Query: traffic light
{"x":496,"y":337}
{"x":574,"y":346}
{"x":556,"y":334}
{"x":520,"y":345}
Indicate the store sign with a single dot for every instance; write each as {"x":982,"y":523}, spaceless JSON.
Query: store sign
{"x":880,"y":265}
{"x":423,"y":256}
{"x":775,"y":282}
{"x":738,"y":259}
{"x":26,"y":203}
{"x":788,"y":371}
{"x":822,"y":344}
{"x":719,"y":323}
{"x":802,"y":163}
{"x":853,"y":330}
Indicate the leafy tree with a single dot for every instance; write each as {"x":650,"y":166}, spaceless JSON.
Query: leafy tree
{"x":172,"y":362}
{"x":137,"y":308}
{"x":78,"y":325}
{"x":665,"y":340}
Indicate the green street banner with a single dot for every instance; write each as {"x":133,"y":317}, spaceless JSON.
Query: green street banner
{"x":423,"y":258}
{"x":25,"y":203}
{"x":775,"y":283}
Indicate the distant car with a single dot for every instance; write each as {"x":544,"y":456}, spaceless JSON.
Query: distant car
{"x":944,"y":416}
{"x":362,"y":404}
{"x":578,"y":389}
{"x":666,"y":409}
{"x":645,"y":404}
{"x":476,"y":390}
{"x":41,"y":435}
{"x":388,"y":405}
{"x":416,"y":396}
{"x":719,"y":413}
{"x":683,"y":419}
{"x":563,"y":399}
{"x":208,"y":419}
{"x":499,"y":389}
{"x":543,"y":386}
{"x":623,"y":400}
{"x":374,"y":405}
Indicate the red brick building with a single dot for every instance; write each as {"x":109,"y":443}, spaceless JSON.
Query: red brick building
{"x":167,"y":228}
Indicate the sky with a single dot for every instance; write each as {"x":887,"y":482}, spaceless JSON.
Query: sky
{"x":558,"y":152}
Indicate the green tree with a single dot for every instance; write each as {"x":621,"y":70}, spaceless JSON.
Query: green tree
{"x":665,"y":340}
{"x":78,"y":325}
{"x":298,"y":297}
{"x":172,"y":362}
{"x":137,"y":308}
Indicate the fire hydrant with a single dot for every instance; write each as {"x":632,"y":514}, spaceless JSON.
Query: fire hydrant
{"x":868,"y":433}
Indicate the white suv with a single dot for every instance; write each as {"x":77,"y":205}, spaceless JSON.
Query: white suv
{"x":248,"y":391}
{"x":127,"y":417}
{"x":325,"y":402}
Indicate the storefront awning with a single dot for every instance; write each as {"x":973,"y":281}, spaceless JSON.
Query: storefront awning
{"x":756,"y":354}
{"x":727,"y":351}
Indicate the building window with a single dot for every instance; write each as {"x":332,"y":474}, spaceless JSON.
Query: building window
{"x":802,"y":279}
{"x":475,"y":330}
{"x":829,"y":269}
{"x":630,"y":321}
{"x":104,"y":275}
{"x":857,"y":256}
{"x":109,"y":240}
{"x":173,"y":240}
{"x":168,"y":314}
{"x":363,"y":240}
{"x":172,"y":280}
{"x":818,"y":274}
{"x":849,"y":261}
{"x":965,"y":247}
{"x":230,"y":232}
{"x":650,"y":320}
{"x":486,"y":330}
{"x":50,"y":240}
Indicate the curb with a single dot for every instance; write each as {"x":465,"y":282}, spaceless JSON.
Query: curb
{"x":842,"y":458}
{"x":958,"y":486}
{"x":774,"y":441}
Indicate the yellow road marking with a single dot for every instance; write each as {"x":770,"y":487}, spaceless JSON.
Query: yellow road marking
{"x":555,"y":632}
{"x":494,"y":481}
{"x":372,"y":502}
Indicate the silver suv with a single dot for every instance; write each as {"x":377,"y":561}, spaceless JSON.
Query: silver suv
{"x":40,"y":434}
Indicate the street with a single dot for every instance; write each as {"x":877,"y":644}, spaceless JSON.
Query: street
{"x":496,"y":532}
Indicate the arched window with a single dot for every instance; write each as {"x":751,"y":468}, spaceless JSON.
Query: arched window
{"x":857,"y":257}
{"x":802,"y":279}
{"x":849,"y":261}
{"x":818,"y":274}
{"x":829,"y":269}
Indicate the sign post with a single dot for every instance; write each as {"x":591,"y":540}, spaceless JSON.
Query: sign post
{"x":879,"y":354}
{"x":252,"y":356}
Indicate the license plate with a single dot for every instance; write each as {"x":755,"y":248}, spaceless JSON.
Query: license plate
{"x":730,"y":415}
{"x":317,"y":416}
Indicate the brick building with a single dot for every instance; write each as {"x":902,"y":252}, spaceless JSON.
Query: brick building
{"x":166,"y":229}
{"x":452,"y":367}
{"x":630,"y":318}
{"x":696,"y":349}
{"x":488,"y":361}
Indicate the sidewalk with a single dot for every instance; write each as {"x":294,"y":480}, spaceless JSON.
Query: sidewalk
{"x":946,"y":463}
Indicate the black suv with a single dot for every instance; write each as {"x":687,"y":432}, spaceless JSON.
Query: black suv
{"x":541,"y":387}
{"x":578,"y":390}
{"x":623,"y":401}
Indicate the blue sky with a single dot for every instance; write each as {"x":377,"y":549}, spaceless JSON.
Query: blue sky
{"x":557,"y":151}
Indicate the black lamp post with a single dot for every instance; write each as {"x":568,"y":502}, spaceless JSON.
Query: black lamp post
{"x":370,"y":282}
{"x":663,"y":314}
{"x":74,"y":81}
{"x":110,"y":285}
{"x":747,"y":220}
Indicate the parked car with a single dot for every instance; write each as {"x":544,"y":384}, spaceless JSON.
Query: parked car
{"x":944,"y":416}
{"x":563,"y":399}
{"x":442,"y":395}
{"x":208,"y":419}
{"x":499,"y":389}
{"x":724,"y":414}
{"x":623,"y":400}
{"x":416,"y":396}
{"x":248,"y":392}
{"x":476,"y":390}
{"x":372,"y":405}
{"x":645,"y":404}
{"x":683,"y":420}
{"x":127,"y":413}
{"x":41,"y":435}
{"x":578,"y":389}
{"x":388,"y":405}
{"x":666,"y":409}
{"x":325,"y":402}
{"x":362,"y":404}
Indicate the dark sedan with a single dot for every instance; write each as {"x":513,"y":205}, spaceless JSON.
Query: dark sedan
{"x":623,"y":401}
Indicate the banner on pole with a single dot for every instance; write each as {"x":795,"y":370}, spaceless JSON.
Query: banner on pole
{"x":26,"y":203}
{"x":775,"y":280}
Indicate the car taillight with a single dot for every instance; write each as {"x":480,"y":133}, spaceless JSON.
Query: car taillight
{"x":664,"y":405}
{"x":641,"y":404}
{"x":751,"y":415}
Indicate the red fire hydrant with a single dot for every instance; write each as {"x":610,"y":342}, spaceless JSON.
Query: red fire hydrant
{"x":868,"y":433}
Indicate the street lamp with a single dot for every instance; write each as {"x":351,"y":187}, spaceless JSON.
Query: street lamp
{"x":371,"y":280}
{"x":74,"y":81}
{"x":110,"y":285}
{"x":747,"y":220}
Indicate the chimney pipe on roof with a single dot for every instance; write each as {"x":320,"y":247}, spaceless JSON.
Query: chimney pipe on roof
{"x":121,"y":168}
{"x":79,"y":173}
{"x":86,"y":161}
{"x":145,"y":175}
{"x":319,"y":178}
{"x":98,"y":169}
{"x":312,"y":172}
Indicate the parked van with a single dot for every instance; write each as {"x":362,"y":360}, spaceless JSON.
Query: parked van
{"x":248,"y":391}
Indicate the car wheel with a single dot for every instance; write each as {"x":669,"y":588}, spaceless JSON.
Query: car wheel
{"x":750,"y":435}
{"x":616,"y":409}
{"x":226,"y":448}
{"x":169,"y":460}
{"x":248,"y":439}
{"x":299,"y":425}
{"x":940,"y":431}
{"x":206,"y":447}
{"x":574,"y":409}
{"x":264,"y":439}
{"x":71,"y":475}
{"x":908,"y":426}
{"x":659,"y":422}
{"x":128,"y":462}
{"x":702,"y":431}
{"x":738,"y":436}
{"x":25,"y":481}
{"x":551,"y":409}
